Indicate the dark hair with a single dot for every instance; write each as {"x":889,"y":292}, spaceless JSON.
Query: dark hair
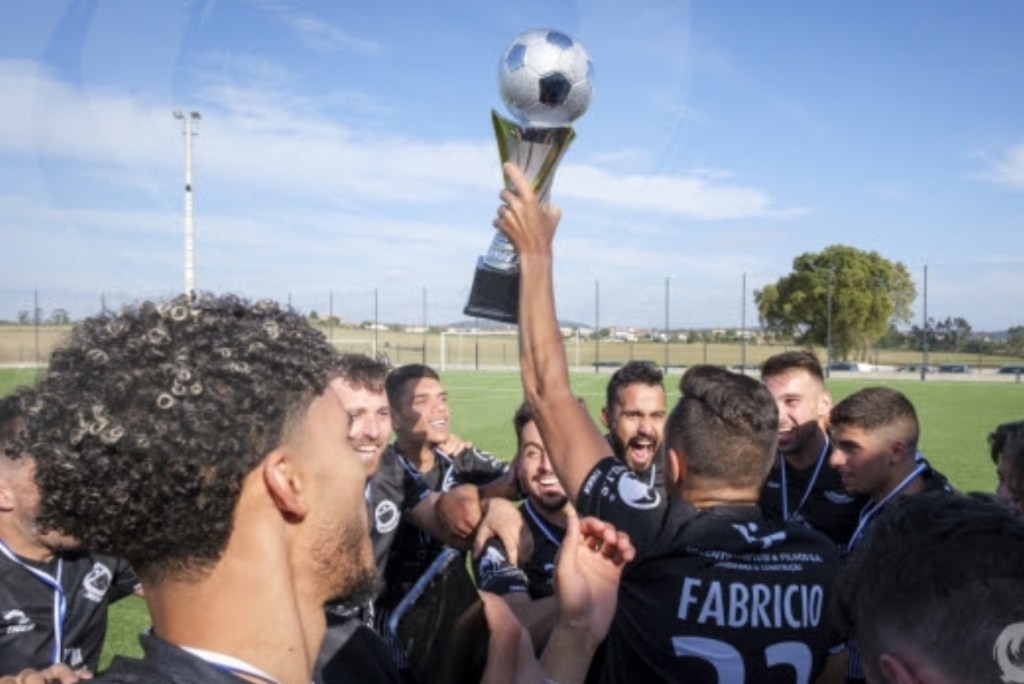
{"x":398,"y":378}
{"x":875,"y":407}
{"x":1007,"y":438}
{"x":526,"y":414}
{"x":940,"y":573}
{"x":523,"y":416}
{"x":361,"y":371}
{"x":149,"y":421}
{"x":802,"y":359}
{"x":632,"y":373}
{"x":14,"y":409}
{"x":726,"y":424}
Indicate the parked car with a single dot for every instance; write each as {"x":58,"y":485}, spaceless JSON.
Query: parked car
{"x":844,"y":366}
{"x":915,"y":368}
{"x":1012,"y":369}
{"x":954,"y":368}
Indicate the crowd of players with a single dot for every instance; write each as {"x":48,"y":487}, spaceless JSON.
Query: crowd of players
{"x":273,"y":502}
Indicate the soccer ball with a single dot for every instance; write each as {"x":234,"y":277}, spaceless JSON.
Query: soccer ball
{"x":546,"y":78}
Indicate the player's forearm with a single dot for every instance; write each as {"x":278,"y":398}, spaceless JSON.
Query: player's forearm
{"x":567,"y":655}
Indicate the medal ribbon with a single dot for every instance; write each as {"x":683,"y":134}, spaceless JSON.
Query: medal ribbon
{"x":810,"y":485}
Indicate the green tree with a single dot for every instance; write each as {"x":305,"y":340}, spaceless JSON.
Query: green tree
{"x":868,"y":293}
{"x":1015,"y":340}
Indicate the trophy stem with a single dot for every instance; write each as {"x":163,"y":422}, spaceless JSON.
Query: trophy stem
{"x":537,"y":151}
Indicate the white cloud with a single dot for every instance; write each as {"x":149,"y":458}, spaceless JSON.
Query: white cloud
{"x":1006,"y":167}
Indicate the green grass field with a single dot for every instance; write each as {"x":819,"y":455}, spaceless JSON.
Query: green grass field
{"x":956,"y":417}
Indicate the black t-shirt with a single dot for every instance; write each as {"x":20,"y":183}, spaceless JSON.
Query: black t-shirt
{"x":393,"y":490}
{"x":933,"y":481}
{"x":814,"y":496}
{"x":714,"y":595}
{"x":536,"y":576}
{"x":89,"y":583}
{"x":164,"y":663}
{"x":412,"y":550}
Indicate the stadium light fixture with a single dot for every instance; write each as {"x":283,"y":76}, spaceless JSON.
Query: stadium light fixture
{"x":188,"y":131}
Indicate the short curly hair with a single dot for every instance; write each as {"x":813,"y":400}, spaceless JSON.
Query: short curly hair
{"x":149,"y":420}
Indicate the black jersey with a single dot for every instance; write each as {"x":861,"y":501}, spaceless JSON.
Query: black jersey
{"x":933,"y":481}
{"x":814,"y":496}
{"x":391,"y":492}
{"x":714,"y":595}
{"x":29,"y":599}
{"x":165,"y":663}
{"x":536,"y":576}
{"x":413,"y":550}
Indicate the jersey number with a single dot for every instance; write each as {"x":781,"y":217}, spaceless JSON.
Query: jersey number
{"x":728,"y":662}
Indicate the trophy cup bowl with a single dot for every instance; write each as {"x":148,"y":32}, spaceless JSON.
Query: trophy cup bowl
{"x":546,"y":80}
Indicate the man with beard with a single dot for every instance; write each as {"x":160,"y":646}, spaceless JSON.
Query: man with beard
{"x":634,"y":413}
{"x":351,"y":650}
{"x":801,"y":486}
{"x":40,"y":570}
{"x":529,"y":587}
{"x":716,"y":592}
{"x":198,"y":440}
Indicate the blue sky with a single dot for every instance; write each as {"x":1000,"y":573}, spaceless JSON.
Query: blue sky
{"x":346,"y":148}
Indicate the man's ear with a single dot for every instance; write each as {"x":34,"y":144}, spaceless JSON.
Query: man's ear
{"x":284,"y":484}
{"x":825,"y":405}
{"x":900,"y":452}
{"x":895,"y":670}
{"x":604,"y":418}
{"x":6,"y":496}
{"x":677,"y":468}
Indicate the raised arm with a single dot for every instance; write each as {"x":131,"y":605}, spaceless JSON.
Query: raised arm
{"x":573,"y":440}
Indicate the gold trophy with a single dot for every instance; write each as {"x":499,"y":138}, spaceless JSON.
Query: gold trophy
{"x":546,"y":81}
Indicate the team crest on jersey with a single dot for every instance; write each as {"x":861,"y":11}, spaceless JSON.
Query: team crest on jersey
{"x":16,"y":622}
{"x":636,"y":494}
{"x":385,"y":516}
{"x":838,"y":496}
{"x":97,"y":582}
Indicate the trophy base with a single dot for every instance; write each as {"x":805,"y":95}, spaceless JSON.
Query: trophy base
{"x":494,"y":295}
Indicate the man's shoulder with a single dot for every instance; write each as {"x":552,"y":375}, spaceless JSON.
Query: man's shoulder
{"x":164,"y":663}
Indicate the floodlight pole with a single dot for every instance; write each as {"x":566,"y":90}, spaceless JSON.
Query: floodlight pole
{"x":188,"y":121}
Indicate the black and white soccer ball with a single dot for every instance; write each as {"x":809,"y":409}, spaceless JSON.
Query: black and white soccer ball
{"x":546,"y":78}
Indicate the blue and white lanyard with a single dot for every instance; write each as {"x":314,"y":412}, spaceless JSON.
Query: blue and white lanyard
{"x":871,"y":509}
{"x":810,"y":484}
{"x":60,"y":603}
{"x":542,"y":524}
{"x":230,"y":664}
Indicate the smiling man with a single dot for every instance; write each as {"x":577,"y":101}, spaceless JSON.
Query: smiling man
{"x":801,"y":486}
{"x":198,"y":440}
{"x":529,"y":587}
{"x":634,"y":413}
{"x":875,"y":432}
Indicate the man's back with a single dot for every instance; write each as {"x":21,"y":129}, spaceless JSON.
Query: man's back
{"x":718,"y":594}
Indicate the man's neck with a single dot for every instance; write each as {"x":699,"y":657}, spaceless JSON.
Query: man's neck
{"x":915,"y":486}
{"x":701,"y":493}
{"x":258,"y":603}
{"x":556,"y":518}
{"x":808,"y":456}
{"x":23,"y":544}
